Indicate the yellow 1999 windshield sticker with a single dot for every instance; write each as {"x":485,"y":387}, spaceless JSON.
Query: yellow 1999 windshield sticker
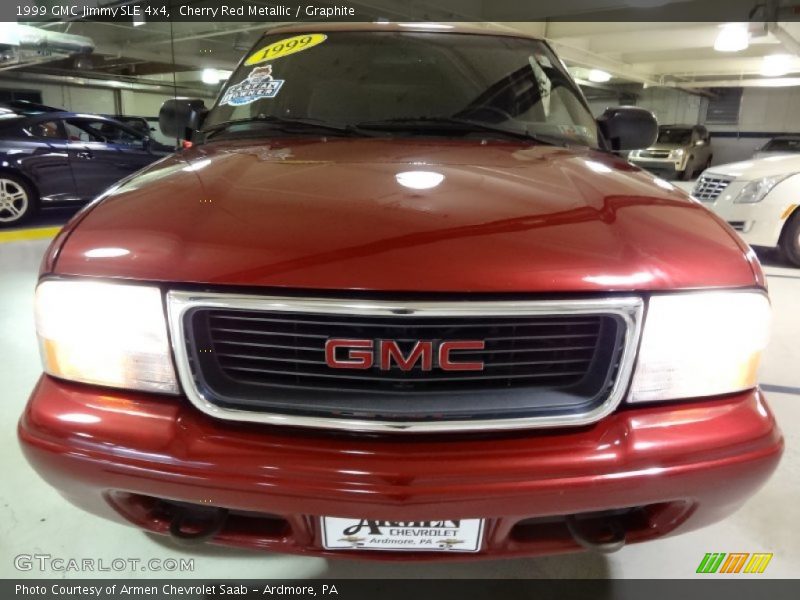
{"x":285,"y":47}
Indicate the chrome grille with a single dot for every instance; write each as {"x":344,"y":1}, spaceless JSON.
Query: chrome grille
{"x":709,"y":187}
{"x":654,"y":154}
{"x":276,"y":349}
{"x":263,"y":359}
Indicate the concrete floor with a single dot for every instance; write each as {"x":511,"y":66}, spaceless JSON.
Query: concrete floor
{"x":35,"y":519}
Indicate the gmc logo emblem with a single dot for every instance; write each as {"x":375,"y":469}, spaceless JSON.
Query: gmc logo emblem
{"x":364,"y":354}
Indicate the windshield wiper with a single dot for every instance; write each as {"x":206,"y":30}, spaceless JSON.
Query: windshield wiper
{"x":281,"y":122}
{"x":459,"y":125}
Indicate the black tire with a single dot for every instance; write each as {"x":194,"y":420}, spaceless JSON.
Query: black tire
{"x":706,"y":166}
{"x":789,"y":244}
{"x":685,"y":175}
{"x":18,"y":200}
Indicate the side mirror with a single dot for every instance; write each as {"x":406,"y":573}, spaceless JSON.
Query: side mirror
{"x":179,"y":117}
{"x":628,"y":128}
{"x":700,"y":143}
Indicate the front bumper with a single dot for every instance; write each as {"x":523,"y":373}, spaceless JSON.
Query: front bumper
{"x":664,"y":165}
{"x":121,"y":454}
{"x":758,"y":223}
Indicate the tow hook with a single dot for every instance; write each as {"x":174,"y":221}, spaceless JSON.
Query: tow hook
{"x":608,"y":538}
{"x":192,"y":525}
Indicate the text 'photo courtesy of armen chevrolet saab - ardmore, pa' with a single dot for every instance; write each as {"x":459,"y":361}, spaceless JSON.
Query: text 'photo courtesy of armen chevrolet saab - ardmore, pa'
{"x":381,"y":291}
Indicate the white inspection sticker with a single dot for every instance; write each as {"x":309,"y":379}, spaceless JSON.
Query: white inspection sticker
{"x":457,"y":535}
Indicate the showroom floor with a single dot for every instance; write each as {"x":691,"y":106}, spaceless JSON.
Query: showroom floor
{"x":35,"y":519}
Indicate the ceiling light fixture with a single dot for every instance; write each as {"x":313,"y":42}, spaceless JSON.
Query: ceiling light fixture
{"x":776,"y":65}
{"x":776,"y":82}
{"x":598,"y":76}
{"x":214,"y":76}
{"x":210,"y":76}
{"x":732,"y":37}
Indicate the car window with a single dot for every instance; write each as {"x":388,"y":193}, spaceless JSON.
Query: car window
{"x":674,"y":136}
{"x":101,"y":131}
{"x":138,"y":124}
{"x":782,"y":145}
{"x":12,"y":131}
{"x":11,"y":126}
{"x":45,"y":129}
{"x":77,"y":133}
{"x":355,"y":77}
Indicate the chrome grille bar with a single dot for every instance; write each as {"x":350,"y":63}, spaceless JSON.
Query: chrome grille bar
{"x":709,"y":187}
{"x":236,"y":358}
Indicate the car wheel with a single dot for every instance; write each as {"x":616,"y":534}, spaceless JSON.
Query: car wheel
{"x":18,"y":202}
{"x":686,"y":174}
{"x":790,"y":240}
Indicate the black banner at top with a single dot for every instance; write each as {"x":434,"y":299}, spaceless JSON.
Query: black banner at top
{"x":32,"y":11}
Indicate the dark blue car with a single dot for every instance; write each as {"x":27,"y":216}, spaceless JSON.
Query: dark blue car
{"x":58,"y":158}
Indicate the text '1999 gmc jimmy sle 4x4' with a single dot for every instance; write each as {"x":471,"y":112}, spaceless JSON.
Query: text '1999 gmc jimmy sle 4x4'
{"x":400,"y":299}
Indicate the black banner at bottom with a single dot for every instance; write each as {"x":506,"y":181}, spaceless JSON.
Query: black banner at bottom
{"x":400,"y":589}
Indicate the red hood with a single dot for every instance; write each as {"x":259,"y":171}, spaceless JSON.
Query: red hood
{"x":332,"y":215}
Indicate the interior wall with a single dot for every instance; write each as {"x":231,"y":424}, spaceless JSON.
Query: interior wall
{"x":673,"y":107}
{"x":670,"y":106}
{"x":599,"y":106}
{"x":142,"y":104}
{"x":61,"y":95}
{"x":763,"y":112}
{"x":95,"y":100}
{"x":71,"y":97}
{"x":78,"y":98}
{"x":773,"y":110}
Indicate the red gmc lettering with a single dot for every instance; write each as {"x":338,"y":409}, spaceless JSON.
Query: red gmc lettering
{"x":356,"y":359}
{"x":362,"y":354}
{"x":390,"y":350}
{"x":447,"y":364}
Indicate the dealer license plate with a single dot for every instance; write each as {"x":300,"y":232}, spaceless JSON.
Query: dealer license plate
{"x":459,"y":535}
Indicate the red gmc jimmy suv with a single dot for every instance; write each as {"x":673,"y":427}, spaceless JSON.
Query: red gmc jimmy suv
{"x":401,"y":299}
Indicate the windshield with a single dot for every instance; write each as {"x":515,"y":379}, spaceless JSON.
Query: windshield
{"x":352,"y":77}
{"x":674,"y":136}
{"x":782,"y":145}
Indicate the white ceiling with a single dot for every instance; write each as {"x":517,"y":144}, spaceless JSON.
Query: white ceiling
{"x":663,"y":53}
{"x":655,"y":53}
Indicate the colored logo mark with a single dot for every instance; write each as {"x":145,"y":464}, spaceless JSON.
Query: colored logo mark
{"x":734,"y":562}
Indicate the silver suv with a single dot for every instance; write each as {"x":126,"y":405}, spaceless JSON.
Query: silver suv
{"x":681,"y":151}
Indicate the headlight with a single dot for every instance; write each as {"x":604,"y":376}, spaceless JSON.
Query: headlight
{"x":105,"y":334}
{"x":677,"y":153}
{"x":755,"y":191}
{"x":700,"y":344}
{"x":634,"y":153}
